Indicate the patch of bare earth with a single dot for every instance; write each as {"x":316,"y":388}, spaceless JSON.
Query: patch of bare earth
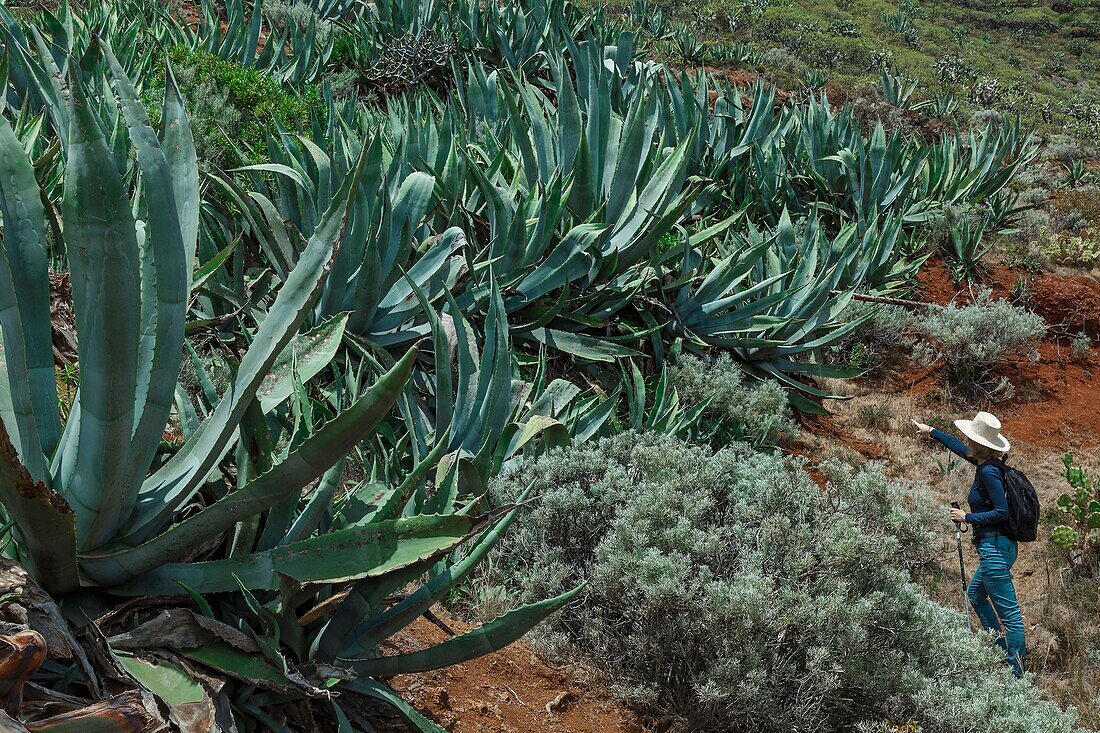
{"x":508,"y":691}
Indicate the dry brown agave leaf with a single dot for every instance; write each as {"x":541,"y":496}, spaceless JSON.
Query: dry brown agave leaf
{"x":187,"y":694}
{"x":41,"y":702}
{"x":24,"y":605}
{"x":9,"y":724}
{"x":216,"y":646}
{"x":21,"y":655}
{"x":180,"y":629}
{"x":130,"y":712}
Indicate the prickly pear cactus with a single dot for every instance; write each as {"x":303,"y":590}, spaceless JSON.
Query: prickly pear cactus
{"x":1081,"y":508}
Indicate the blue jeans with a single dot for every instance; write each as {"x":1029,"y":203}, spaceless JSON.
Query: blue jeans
{"x":993,"y":597}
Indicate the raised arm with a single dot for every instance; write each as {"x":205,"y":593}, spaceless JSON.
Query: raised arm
{"x":993,"y":483}
{"x":952,"y":444}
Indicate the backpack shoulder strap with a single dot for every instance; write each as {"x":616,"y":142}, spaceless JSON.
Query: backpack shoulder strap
{"x":999,"y":463}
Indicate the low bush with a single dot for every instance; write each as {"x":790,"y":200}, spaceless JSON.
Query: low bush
{"x":231,"y":107}
{"x":740,"y":409}
{"x":875,"y":417}
{"x":885,"y":340}
{"x":972,"y":340}
{"x":1080,"y":347}
{"x":1074,"y":250}
{"x":298,"y":16}
{"x":1074,"y":210}
{"x":728,"y":591}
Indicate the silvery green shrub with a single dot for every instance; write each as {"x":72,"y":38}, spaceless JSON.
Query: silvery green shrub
{"x":757,"y":412}
{"x":886,"y":338}
{"x":298,"y":16}
{"x":971,"y":340}
{"x":730,"y":592}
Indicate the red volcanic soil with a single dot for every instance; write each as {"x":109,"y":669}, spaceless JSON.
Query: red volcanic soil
{"x":1056,"y":405}
{"x":508,"y":691}
{"x":1057,"y":401}
{"x":1070,"y":304}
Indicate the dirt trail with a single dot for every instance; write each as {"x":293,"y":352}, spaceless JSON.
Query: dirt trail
{"x":508,"y":691}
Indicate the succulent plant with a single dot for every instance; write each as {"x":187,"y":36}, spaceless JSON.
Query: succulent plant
{"x":92,"y":506}
{"x":1081,"y":508}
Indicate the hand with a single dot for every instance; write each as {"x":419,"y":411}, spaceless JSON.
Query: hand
{"x":921,"y":427}
{"x":958,"y":515}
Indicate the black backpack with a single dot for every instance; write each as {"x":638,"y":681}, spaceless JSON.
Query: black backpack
{"x":1023,"y":504}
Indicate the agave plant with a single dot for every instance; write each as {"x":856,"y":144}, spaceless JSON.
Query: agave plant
{"x":776,"y":298}
{"x":943,"y":105}
{"x":486,"y":417}
{"x":899,"y":91}
{"x":96,"y":492}
{"x":384,"y":251}
{"x":291,"y":55}
{"x":977,"y":168}
{"x":334,"y":9}
{"x":92,"y":505}
{"x":967,"y":249}
{"x":663,"y":411}
{"x":47,"y":39}
{"x":570,"y":206}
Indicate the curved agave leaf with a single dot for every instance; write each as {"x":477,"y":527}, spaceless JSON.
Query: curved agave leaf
{"x":378,"y":627}
{"x":25,"y":310}
{"x":309,"y":461}
{"x":475,"y":643}
{"x":342,"y":556}
{"x":43,"y":522}
{"x":173,"y":484}
{"x":105,"y":267}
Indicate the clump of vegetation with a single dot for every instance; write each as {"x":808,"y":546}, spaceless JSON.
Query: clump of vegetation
{"x":1079,"y":510}
{"x":1073,"y":210}
{"x":972,"y":340}
{"x":886,"y":339}
{"x":1080,"y":346}
{"x":1070,"y":612}
{"x":1081,"y":250}
{"x":727,"y":590}
{"x":420,"y":60}
{"x":876,"y":417}
{"x":298,"y":16}
{"x":233,"y":107}
{"x":757,"y":412}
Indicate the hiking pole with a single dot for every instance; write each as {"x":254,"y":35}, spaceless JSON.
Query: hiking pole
{"x":962,"y":568}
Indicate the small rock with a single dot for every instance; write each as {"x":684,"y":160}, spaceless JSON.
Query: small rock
{"x":560,"y":703}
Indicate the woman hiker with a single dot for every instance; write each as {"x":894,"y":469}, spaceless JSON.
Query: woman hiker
{"x":991,"y":592}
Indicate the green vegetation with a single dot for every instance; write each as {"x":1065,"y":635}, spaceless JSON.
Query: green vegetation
{"x":972,"y":340}
{"x":738,"y":410}
{"x":337,"y":270}
{"x":1033,"y":59}
{"x":235,"y":106}
{"x":1080,"y":508}
{"x":726,"y":589}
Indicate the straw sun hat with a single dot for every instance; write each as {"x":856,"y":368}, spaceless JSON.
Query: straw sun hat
{"x":985,"y":429}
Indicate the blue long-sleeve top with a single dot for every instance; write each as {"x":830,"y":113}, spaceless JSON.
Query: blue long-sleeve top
{"x":986,"y":517}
